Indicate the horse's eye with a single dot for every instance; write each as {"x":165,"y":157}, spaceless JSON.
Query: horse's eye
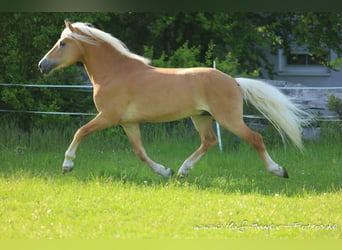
{"x":62,"y":44}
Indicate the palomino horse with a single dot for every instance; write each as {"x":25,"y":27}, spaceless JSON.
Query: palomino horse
{"x":128,"y":91}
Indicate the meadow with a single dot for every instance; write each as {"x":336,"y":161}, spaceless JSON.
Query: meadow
{"x":111,"y":194}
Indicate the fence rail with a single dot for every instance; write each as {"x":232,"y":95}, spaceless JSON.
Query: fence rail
{"x":90,"y":86}
{"x":320,"y":90}
{"x":46,"y":86}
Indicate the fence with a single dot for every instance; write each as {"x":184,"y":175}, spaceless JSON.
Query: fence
{"x":89,"y":87}
{"x":311,"y":98}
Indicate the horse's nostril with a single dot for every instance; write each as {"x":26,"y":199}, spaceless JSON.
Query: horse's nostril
{"x":45,"y":66}
{"x":40,"y":64}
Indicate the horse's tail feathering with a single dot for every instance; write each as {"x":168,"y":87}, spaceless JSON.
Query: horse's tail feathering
{"x":285,"y":116}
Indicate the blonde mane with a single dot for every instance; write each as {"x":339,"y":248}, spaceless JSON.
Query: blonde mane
{"x":93,"y":35}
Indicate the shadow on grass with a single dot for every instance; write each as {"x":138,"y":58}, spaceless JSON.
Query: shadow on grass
{"x":257,"y":182}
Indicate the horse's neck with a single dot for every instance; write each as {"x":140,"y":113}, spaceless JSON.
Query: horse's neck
{"x":106,"y":65}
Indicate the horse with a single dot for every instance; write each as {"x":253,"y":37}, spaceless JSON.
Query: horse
{"x":128,"y":91}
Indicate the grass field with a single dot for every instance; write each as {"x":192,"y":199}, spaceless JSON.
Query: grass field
{"x":111,"y":194}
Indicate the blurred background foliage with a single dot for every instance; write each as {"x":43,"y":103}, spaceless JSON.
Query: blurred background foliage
{"x":238,"y":42}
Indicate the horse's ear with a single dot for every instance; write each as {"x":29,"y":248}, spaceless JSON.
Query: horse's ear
{"x":69,"y":25}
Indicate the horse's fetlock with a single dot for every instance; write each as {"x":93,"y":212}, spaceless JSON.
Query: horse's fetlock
{"x":69,"y":156}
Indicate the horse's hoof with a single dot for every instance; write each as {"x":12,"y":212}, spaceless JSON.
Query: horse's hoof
{"x":169,"y":172}
{"x":285,"y":174}
{"x":66,"y":170}
{"x":281,"y":172}
{"x":181,"y":176}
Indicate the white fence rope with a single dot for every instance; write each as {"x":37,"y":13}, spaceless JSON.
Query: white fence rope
{"x":90,"y":86}
{"x":46,"y":112}
{"x":46,"y":86}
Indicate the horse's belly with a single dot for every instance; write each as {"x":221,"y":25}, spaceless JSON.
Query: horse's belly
{"x":157,"y":114}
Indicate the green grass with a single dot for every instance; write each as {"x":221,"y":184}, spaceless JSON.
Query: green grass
{"x":111,"y":194}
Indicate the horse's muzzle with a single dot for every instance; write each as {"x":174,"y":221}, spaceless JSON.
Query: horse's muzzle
{"x":46,"y":66}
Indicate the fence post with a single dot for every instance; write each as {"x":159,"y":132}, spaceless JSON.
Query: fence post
{"x":218,"y":130}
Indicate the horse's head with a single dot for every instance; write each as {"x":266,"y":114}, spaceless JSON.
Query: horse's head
{"x":64,"y":53}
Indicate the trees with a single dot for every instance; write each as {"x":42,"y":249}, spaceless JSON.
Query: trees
{"x":237,"y":41}
{"x":25,"y":38}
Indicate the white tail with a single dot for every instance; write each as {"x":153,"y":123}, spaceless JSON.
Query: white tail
{"x":285,"y":116}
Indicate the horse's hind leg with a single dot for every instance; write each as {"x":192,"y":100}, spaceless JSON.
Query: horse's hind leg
{"x":239,"y":128}
{"x":203,"y":124}
{"x":133,"y":132}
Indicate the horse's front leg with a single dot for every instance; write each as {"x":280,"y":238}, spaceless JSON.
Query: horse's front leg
{"x":133,"y":132}
{"x":98,"y":123}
